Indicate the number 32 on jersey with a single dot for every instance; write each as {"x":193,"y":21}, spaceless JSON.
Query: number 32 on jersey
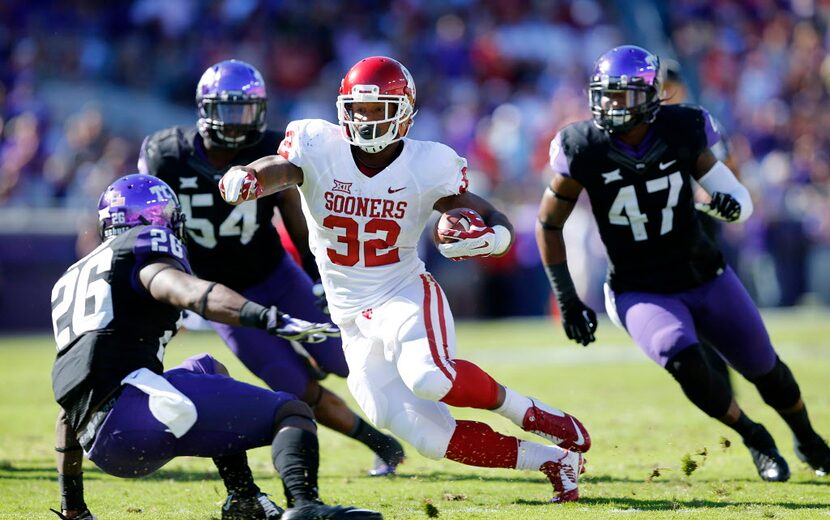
{"x":386,"y":231}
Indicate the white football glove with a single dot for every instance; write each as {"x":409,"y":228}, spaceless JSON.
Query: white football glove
{"x":479,"y":240}
{"x":295,"y":329}
{"x":239,"y":184}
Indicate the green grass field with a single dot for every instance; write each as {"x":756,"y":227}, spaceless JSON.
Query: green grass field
{"x":641,"y":425}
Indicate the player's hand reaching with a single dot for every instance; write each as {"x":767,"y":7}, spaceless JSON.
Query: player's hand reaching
{"x":579,"y":321}
{"x":478,"y":240}
{"x":722,"y":207}
{"x":294,"y":329}
{"x":239,"y":184}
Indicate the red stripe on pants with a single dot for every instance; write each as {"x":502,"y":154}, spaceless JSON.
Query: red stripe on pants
{"x":433,"y":348}
{"x":441,"y":321}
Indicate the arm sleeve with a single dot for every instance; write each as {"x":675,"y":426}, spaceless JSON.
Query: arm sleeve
{"x":558,"y":159}
{"x":455,"y":180}
{"x":291,"y":147}
{"x":711,"y":129}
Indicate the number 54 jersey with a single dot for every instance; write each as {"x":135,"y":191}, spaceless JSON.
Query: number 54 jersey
{"x":105,"y":323}
{"x":364,"y":231}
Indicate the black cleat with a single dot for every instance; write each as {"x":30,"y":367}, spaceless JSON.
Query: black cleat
{"x":386,"y":465}
{"x":258,"y":507}
{"x":85,"y":515}
{"x":318,"y":511}
{"x":815,"y":454}
{"x":768,"y":461}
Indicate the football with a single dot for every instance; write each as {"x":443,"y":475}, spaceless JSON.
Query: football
{"x":452,"y":219}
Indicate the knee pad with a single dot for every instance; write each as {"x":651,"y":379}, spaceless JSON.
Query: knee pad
{"x":295,"y":413}
{"x":431,"y":385}
{"x":429,"y":438}
{"x":704,"y":387}
{"x":778,"y":387}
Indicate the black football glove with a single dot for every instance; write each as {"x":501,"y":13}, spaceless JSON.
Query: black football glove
{"x":723,"y":206}
{"x":295,"y":329}
{"x":321,"y":302}
{"x":579,"y":321}
{"x":85,"y":515}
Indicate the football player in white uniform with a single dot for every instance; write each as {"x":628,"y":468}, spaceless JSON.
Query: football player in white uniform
{"x":367,"y":192}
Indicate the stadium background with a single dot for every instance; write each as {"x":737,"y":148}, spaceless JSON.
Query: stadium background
{"x":82,"y":82}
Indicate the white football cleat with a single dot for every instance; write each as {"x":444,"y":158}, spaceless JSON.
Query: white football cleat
{"x":564,"y":476}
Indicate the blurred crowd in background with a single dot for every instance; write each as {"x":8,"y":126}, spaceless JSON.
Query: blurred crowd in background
{"x":82,"y":82}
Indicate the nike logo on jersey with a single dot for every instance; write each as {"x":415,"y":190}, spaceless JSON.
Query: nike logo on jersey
{"x":396,"y":190}
{"x":663,"y":166}
{"x":188,"y":183}
{"x":612,"y":176}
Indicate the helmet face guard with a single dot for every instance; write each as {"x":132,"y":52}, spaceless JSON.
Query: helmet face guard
{"x":376,"y":80}
{"x":625,"y":88}
{"x":231,"y":102}
{"x":139,"y":200}
{"x":368,"y":134}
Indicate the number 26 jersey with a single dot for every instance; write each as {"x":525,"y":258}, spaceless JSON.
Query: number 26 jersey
{"x":106,"y":325}
{"x":363,"y":230}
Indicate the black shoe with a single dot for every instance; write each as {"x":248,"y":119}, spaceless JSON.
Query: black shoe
{"x":258,"y":507}
{"x":317,"y":511}
{"x":768,"y":461}
{"x":85,"y":515}
{"x":386,"y":465}
{"x":815,"y":454}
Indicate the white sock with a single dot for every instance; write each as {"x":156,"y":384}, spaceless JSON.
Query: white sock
{"x":514,"y":407}
{"x":532,"y":455}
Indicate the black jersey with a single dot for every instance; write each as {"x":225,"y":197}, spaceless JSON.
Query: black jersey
{"x":235,"y":245}
{"x":105,"y":324}
{"x":643,"y":200}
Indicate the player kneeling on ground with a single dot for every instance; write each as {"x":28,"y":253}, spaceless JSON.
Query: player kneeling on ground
{"x":113,"y":313}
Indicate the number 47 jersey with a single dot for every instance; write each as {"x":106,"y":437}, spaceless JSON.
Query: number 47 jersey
{"x":364,"y":231}
{"x":105,"y":323}
{"x":642,"y":199}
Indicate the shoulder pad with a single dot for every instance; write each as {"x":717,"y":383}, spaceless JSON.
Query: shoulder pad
{"x":577,"y":137}
{"x":685,"y":113}
{"x":164,"y":146}
{"x":158,"y":241}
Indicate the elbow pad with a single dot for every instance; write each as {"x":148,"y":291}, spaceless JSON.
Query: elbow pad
{"x":720,"y":179}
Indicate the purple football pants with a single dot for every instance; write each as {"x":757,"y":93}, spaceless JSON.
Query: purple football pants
{"x":271,"y":358}
{"x":232,"y":417}
{"x":720,"y":310}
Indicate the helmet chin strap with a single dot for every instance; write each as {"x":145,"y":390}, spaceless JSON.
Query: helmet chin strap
{"x":373,"y":148}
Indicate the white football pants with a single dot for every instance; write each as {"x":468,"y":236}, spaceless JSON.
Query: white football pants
{"x":400,"y":365}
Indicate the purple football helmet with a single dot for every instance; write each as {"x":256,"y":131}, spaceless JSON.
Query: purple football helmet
{"x":626,"y":88}
{"x":139,"y":200}
{"x":231,"y":101}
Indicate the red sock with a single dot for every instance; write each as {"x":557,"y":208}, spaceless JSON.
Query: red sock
{"x":472,"y":388}
{"x":476,"y":444}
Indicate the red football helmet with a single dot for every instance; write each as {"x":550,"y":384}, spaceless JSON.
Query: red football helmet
{"x":376,"y":80}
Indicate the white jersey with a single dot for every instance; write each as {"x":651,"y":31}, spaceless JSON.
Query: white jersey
{"x":364,"y":231}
